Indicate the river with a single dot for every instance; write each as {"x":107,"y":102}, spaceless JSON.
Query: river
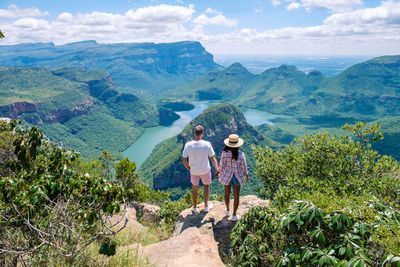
{"x":145,"y":144}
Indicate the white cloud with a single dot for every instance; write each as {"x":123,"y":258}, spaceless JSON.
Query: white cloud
{"x":32,"y":24}
{"x":275,"y":3}
{"x":218,"y":20}
{"x":293,"y":6}
{"x":161,"y":22}
{"x":161,"y":13}
{"x":365,"y":30}
{"x":333,"y":5}
{"x":212,"y":11}
{"x":65,"y":17}
{"x":388,"y":13}
{"x":13,"y":11}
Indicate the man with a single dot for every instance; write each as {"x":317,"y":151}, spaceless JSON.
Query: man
{"x":198,"y":152}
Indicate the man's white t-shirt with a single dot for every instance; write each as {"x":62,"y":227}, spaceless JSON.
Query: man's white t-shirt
{"x":198,"y":153}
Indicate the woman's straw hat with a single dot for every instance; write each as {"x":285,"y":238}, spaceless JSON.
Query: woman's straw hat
{"x":233,"y":141}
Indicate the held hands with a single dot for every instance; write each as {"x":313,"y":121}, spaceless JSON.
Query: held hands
{"x":246,"y":179}
{"x":217,"y":172}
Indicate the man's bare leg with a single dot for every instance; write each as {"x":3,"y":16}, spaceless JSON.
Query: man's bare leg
{"x":195,"y":190}
{"x":206,"y":194}
{"x":236,"y":193}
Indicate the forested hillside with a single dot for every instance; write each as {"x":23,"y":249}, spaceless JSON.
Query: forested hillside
{"x":366,"y":91}
{"x":81,"y":109}
{"x":139,"y":68}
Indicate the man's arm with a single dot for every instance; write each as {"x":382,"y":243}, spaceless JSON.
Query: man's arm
{"x":215,"y":164}
{"x":184,"y":161}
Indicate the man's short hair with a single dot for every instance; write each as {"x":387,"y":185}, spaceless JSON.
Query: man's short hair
{"x":198,"y":130}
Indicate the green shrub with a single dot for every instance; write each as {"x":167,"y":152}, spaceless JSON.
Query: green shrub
{"x":306,"y":235}
{"x":47,"y":207}
{"x":354,"y":220}
{"x":255,"y":238}
{"x":320,"y":163}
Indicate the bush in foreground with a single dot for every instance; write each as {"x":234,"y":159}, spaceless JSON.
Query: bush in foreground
{"x":48,"y":208}
{"x":306,"y":235}
{"x":346,"y":204}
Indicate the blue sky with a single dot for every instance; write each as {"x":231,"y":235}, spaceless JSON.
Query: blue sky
{"x":300,"y":27}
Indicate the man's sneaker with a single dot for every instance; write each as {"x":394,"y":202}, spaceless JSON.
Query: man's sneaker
{"x":210,"y":206}
{"x":235,"y":218}
{"x":195,"y":210}
{"x":227,"y":213}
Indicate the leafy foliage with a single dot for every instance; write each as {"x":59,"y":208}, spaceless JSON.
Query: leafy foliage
{"x":336,"y":204}
{"x":47,"y":206}
{"x":304,"y":235}
{"x":255,"y":239}
{"x":321,"y":163}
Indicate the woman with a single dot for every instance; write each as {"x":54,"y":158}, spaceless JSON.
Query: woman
{"x":232,"y":171}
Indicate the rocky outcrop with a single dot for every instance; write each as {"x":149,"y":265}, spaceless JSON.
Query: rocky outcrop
{"x":31,"y":112}
{"x":190,"y":249}
{"x":199,"y":239}
{"x":214,"y":223}
{"x":17,"y":108}
{"x":64,"y":114}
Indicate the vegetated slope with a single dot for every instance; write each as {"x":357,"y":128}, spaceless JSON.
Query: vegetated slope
{"x":390,"y":144}
{"x":139,"y":68}
{"x":164,"y":168}
{"x":366,"y":91}
{"x":80,"y":108}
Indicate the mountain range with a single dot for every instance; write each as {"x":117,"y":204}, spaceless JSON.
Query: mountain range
{"x":139,"y":68}
{"x":366,"y":91}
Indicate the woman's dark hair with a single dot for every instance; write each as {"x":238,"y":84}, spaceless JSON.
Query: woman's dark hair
{"x":234,"y":150}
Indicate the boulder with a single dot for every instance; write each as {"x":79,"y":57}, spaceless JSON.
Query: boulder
{"x":191,"y":248}
{"x":7,"y":120}
{"x":132,"y":224}
{"x":146,"y":212}
{"x":214,"y":223}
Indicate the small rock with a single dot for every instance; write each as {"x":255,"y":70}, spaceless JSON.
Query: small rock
{"x":132,"y":224}
{"x":7,"y":120}
{"x":146,"y":212}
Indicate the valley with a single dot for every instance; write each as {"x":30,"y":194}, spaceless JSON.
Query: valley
{"x":131,"y":99}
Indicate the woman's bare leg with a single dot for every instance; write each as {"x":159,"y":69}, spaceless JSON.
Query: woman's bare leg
{"x":236,"y":192}
{"x":227,"y":196}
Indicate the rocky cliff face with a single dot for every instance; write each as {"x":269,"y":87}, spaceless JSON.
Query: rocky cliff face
{"x":31,"y":112}
{"x":164,"y":167}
